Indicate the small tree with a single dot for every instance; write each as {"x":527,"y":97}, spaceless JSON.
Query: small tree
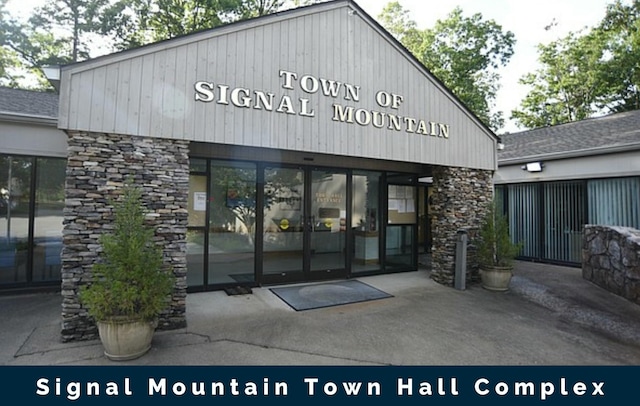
{"x":131,"y":281}
{"x":495,"y":247}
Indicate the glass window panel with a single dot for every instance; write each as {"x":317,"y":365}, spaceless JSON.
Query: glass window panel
{"x":232,"y":222}
{"x":197,"y":165}
{"x":524,"y":217}
{"x":197,"y":201}
{"x":47,"y":230}
{"x":283,"y":220}
{"x":615,"y":202}
{"x":195,"y":257}
{"x":15,"y":194}
{"x":402,"y":204}
{"x":328,"y":220}
{"x":400,"y":246}
{"x":564,"y":218}
{"x":365,"y":221}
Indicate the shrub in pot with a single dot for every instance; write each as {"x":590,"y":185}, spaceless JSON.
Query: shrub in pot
{"x":495,"y":250}
{"x":130,"y":286}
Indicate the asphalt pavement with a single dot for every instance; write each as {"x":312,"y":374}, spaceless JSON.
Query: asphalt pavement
{"x":550,"y":316}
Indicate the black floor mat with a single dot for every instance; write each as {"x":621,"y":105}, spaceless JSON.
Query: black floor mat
{"x":328,"y":294}
{"x":238,"y":290}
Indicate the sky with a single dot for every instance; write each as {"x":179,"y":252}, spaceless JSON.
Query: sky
{"x":526,"y":19}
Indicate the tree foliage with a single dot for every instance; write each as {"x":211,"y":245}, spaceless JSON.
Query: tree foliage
{"x":621,"y":29}
{"x":465,"y":53}
{"x":24,"y":51}
{"x":586,"y":73}
{"x":74,"y":22}
{"x":132,"y":23}
{"x":9,"y":61}
{"x":495,"y":246}
{"x":131,"y":281}
{"x":569,"y":84}
{"x":66,"y":31}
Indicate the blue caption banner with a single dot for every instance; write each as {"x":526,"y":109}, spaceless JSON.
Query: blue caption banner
{"x":220,"y":385}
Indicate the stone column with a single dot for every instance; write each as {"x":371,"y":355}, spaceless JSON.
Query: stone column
{"x":97,"y":167}
{"x":460,"y":198}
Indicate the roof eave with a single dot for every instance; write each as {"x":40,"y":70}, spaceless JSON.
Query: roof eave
{"x":570,"y":154}
{"x":29,"y":119}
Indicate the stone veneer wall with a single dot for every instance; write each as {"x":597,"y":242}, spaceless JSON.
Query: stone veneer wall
{"x":97,"y":166}
{"x":460,"y":198}
{"x":611,"y":259}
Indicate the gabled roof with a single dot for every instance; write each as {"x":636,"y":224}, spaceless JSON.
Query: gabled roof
{"x":308,"y":9}
{"x":27,"y":104}
{"x":594,"y":136}
{"x":154,"y":91}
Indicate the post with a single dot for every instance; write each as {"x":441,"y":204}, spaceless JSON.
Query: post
{"x":461,"y":260}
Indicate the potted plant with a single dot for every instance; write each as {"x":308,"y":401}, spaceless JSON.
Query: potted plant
{"x":495,"y":250}
{"x":130,"y":287}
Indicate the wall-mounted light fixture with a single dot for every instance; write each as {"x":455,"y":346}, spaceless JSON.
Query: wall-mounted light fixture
{"x":533,"y":167}
{"x":52,"y":73}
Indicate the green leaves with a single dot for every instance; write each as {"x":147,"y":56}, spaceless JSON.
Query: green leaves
{"x":569,"y":85}
{"x":65,"y":31}
{"x":131,"y":281}
{"x":494,"y":244}
{"x":586,"y":73}
{"x":463,"y":52}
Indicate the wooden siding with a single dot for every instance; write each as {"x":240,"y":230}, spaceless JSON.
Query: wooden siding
{"x":150,"y":91}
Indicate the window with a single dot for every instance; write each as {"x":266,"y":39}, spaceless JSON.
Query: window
{"x":48,"y":216}
{"x":31,"y":214}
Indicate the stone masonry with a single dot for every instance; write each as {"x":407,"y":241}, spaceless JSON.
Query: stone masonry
{"x":97,"y":167}
{"x":611,"y":259}
{"x":461,"y":197}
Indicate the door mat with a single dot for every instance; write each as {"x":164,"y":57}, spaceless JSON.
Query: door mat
{"x":238,"y":290}
{"x":316,"y":296}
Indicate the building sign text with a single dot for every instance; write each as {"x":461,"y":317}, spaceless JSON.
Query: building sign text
{"x":210,"y":92}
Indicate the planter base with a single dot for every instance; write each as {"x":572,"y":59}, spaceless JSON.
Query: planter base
{"x":116,"y":357}
{"x":496,"y":278}
{"x":126,"y":340}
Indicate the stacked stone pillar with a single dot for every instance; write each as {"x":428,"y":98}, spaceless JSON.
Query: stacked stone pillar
{"x":460,"y":198}
{"x":97,"y":167}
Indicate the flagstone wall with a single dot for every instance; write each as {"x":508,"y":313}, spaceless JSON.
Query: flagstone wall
{"x":611,"y":259}
{"x":97,"y":167}
{"x":460,"y":197}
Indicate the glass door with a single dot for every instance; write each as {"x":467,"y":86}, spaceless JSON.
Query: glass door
{"x":232,"y":223}
{"x":328,"y":224}
{"x":365,"y":222}
{"x":400,"y":246}
{"x":284,"y":223}
{"x":304,"y":224}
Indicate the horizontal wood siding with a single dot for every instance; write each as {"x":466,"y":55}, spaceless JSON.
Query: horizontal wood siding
{"x":150,"y":91}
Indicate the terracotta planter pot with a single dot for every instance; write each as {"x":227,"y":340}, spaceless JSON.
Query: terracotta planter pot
{"x":496,"y":278}
{"x":126,"y":339}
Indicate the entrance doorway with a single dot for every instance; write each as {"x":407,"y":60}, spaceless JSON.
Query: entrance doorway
{"x":258,"y":223}
{"x":304,"y":224}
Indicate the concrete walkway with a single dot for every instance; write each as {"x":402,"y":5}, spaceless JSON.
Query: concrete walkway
{"x":551,"y":316}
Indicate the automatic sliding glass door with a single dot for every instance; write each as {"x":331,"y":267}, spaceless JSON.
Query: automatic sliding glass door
{"x":304,"y":224}
{"x":328,"y":224}
{"x":283,"y":224}
{"x":400,"y":245}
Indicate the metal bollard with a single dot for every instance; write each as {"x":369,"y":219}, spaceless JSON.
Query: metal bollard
{"x":461,"y":260}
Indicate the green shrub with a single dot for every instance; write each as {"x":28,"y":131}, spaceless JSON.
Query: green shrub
{"x":494,"y":245}
{"x":130,"y":281}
